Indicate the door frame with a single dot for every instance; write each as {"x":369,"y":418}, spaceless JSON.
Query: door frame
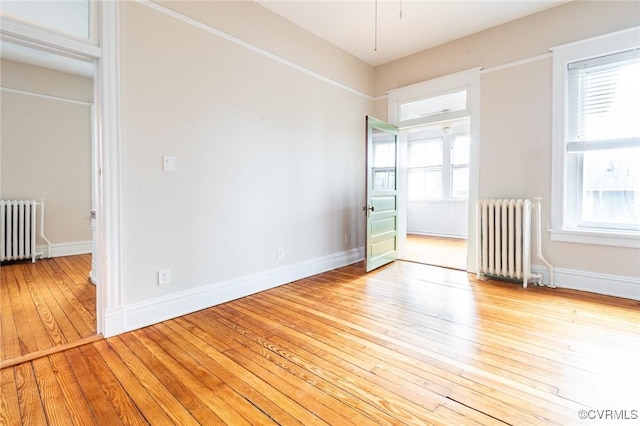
{"x":101,"y":49}
{"x":470,"y":80}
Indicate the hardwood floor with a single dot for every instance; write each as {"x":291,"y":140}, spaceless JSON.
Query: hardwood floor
{"x":45,"y":305}
{"x":437,"y":251}
{"x":406,"y":344}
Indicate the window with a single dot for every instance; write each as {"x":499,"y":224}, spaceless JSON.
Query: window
{"x":450,"y":102}
{"x":68,"y":17}
{"x":383,"y":160}
{"x":598,"y":140}
{"x":438,"y":161}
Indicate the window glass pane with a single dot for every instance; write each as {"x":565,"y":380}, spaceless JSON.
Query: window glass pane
{"x":436,"y":105}
{"x":460,"y":149}
{"x":70,"y":17}
{"x":460,"y":182}
{"x":416,"y":185}
{"x":425,"y":153}
{"x":384,"y":179}
{"x":425,"y":184}
{"x":604,"y":98}
{"x":384,"y":148}
{"x":433,"y":183}
{"x":417,"y":154}
{"x":383,"y":161}
{"x":611,"y":187}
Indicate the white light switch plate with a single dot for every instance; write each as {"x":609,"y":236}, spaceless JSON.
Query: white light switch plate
{"x":168,"y":163}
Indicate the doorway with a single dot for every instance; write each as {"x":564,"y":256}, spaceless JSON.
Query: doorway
{"x":49,"y":141}
{"x":438,"y":161}
{"x":447,"y":106}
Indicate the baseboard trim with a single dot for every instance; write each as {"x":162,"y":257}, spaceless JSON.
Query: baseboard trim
{"x":67,"y":249}
{"x":610,"y":285}
{"x":148,"y":312}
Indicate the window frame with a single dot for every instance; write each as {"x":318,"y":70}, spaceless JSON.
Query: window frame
{"x":446,"y":167}
{"x":563,"y":190}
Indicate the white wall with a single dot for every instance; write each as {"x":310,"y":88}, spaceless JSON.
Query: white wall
{"x":446,"y":218}
{"x":46,"y":148}
{"x":515,"y":121}
{"x":267,"y":157}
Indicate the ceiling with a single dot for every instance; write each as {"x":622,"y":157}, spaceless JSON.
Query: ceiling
{"x":351,"y":26}
{"x":404,"y":27}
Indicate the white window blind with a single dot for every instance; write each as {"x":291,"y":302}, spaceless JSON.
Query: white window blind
{"x":603,"y":102}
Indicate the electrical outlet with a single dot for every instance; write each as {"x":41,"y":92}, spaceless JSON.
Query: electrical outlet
{"x":164,"y":277}
{"x":280,"y":253}
{"x":347,"y":239}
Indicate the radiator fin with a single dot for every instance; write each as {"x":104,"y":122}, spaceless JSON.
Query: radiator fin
{"x":504,"y":239}
{"x":18,"y":229}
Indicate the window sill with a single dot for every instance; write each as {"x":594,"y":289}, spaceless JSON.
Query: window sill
{"x":604,"y":238}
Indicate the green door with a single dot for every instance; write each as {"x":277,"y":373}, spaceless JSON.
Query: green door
{"x":381,"y":246}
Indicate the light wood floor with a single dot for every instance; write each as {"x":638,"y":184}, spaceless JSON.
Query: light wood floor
{"x":406,"y":344}
{"x":45,"y":305}
{"x":437,"y":251}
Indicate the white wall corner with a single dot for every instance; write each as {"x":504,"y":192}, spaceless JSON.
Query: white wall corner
{"x":609,"y":285}
{"x":114,"y":321}
{"x":148,"y":312}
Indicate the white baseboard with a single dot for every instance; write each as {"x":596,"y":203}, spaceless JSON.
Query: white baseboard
{"x":436,"y":234}
{"x":67,"y":249}
{"x":610,"y":285}
{"x":136,"y":315}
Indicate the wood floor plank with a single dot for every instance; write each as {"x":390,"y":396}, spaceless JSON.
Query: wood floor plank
{"x":42,"y":308}
{"x":407,"y":389}
{"x":92,"y":389}
{"x":64,"y":314}
{"x":405,"y":344}
{"x":271,"y":366}
{"x":269,"y":399}
{"x":10,"y":346}
{"x":488,"y":344}
{"x":32,"y":335}
{"x":51,"y":316}
{"x":367,"y":383}
{"x":164,"y":399}
{"x":116,"y":394}
{"x":54,"y":404}
{"x":29,"y":398}
{"x":500,"y":360}
{"x":136,"y":390}
{"x":199,"y":396}
{"x":83,"y":320}
{"x":74,"y":398}
{"x":70,"y":268}
{"x":9,"y":406}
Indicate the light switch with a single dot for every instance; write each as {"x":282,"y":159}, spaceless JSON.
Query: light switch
{"x":169,"y":163}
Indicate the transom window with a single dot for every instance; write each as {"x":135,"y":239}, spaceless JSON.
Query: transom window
{"x":68,"y":17}
{"x":450,"y":102}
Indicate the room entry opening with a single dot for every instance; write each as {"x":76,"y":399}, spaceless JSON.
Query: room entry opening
{"x":437,"y":202}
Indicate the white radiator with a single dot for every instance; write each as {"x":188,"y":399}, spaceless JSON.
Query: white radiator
{"x":18,"y":219}
{"x":504,"y":239}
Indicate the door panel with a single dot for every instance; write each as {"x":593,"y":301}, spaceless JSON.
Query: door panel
{"x":382,"y":194}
